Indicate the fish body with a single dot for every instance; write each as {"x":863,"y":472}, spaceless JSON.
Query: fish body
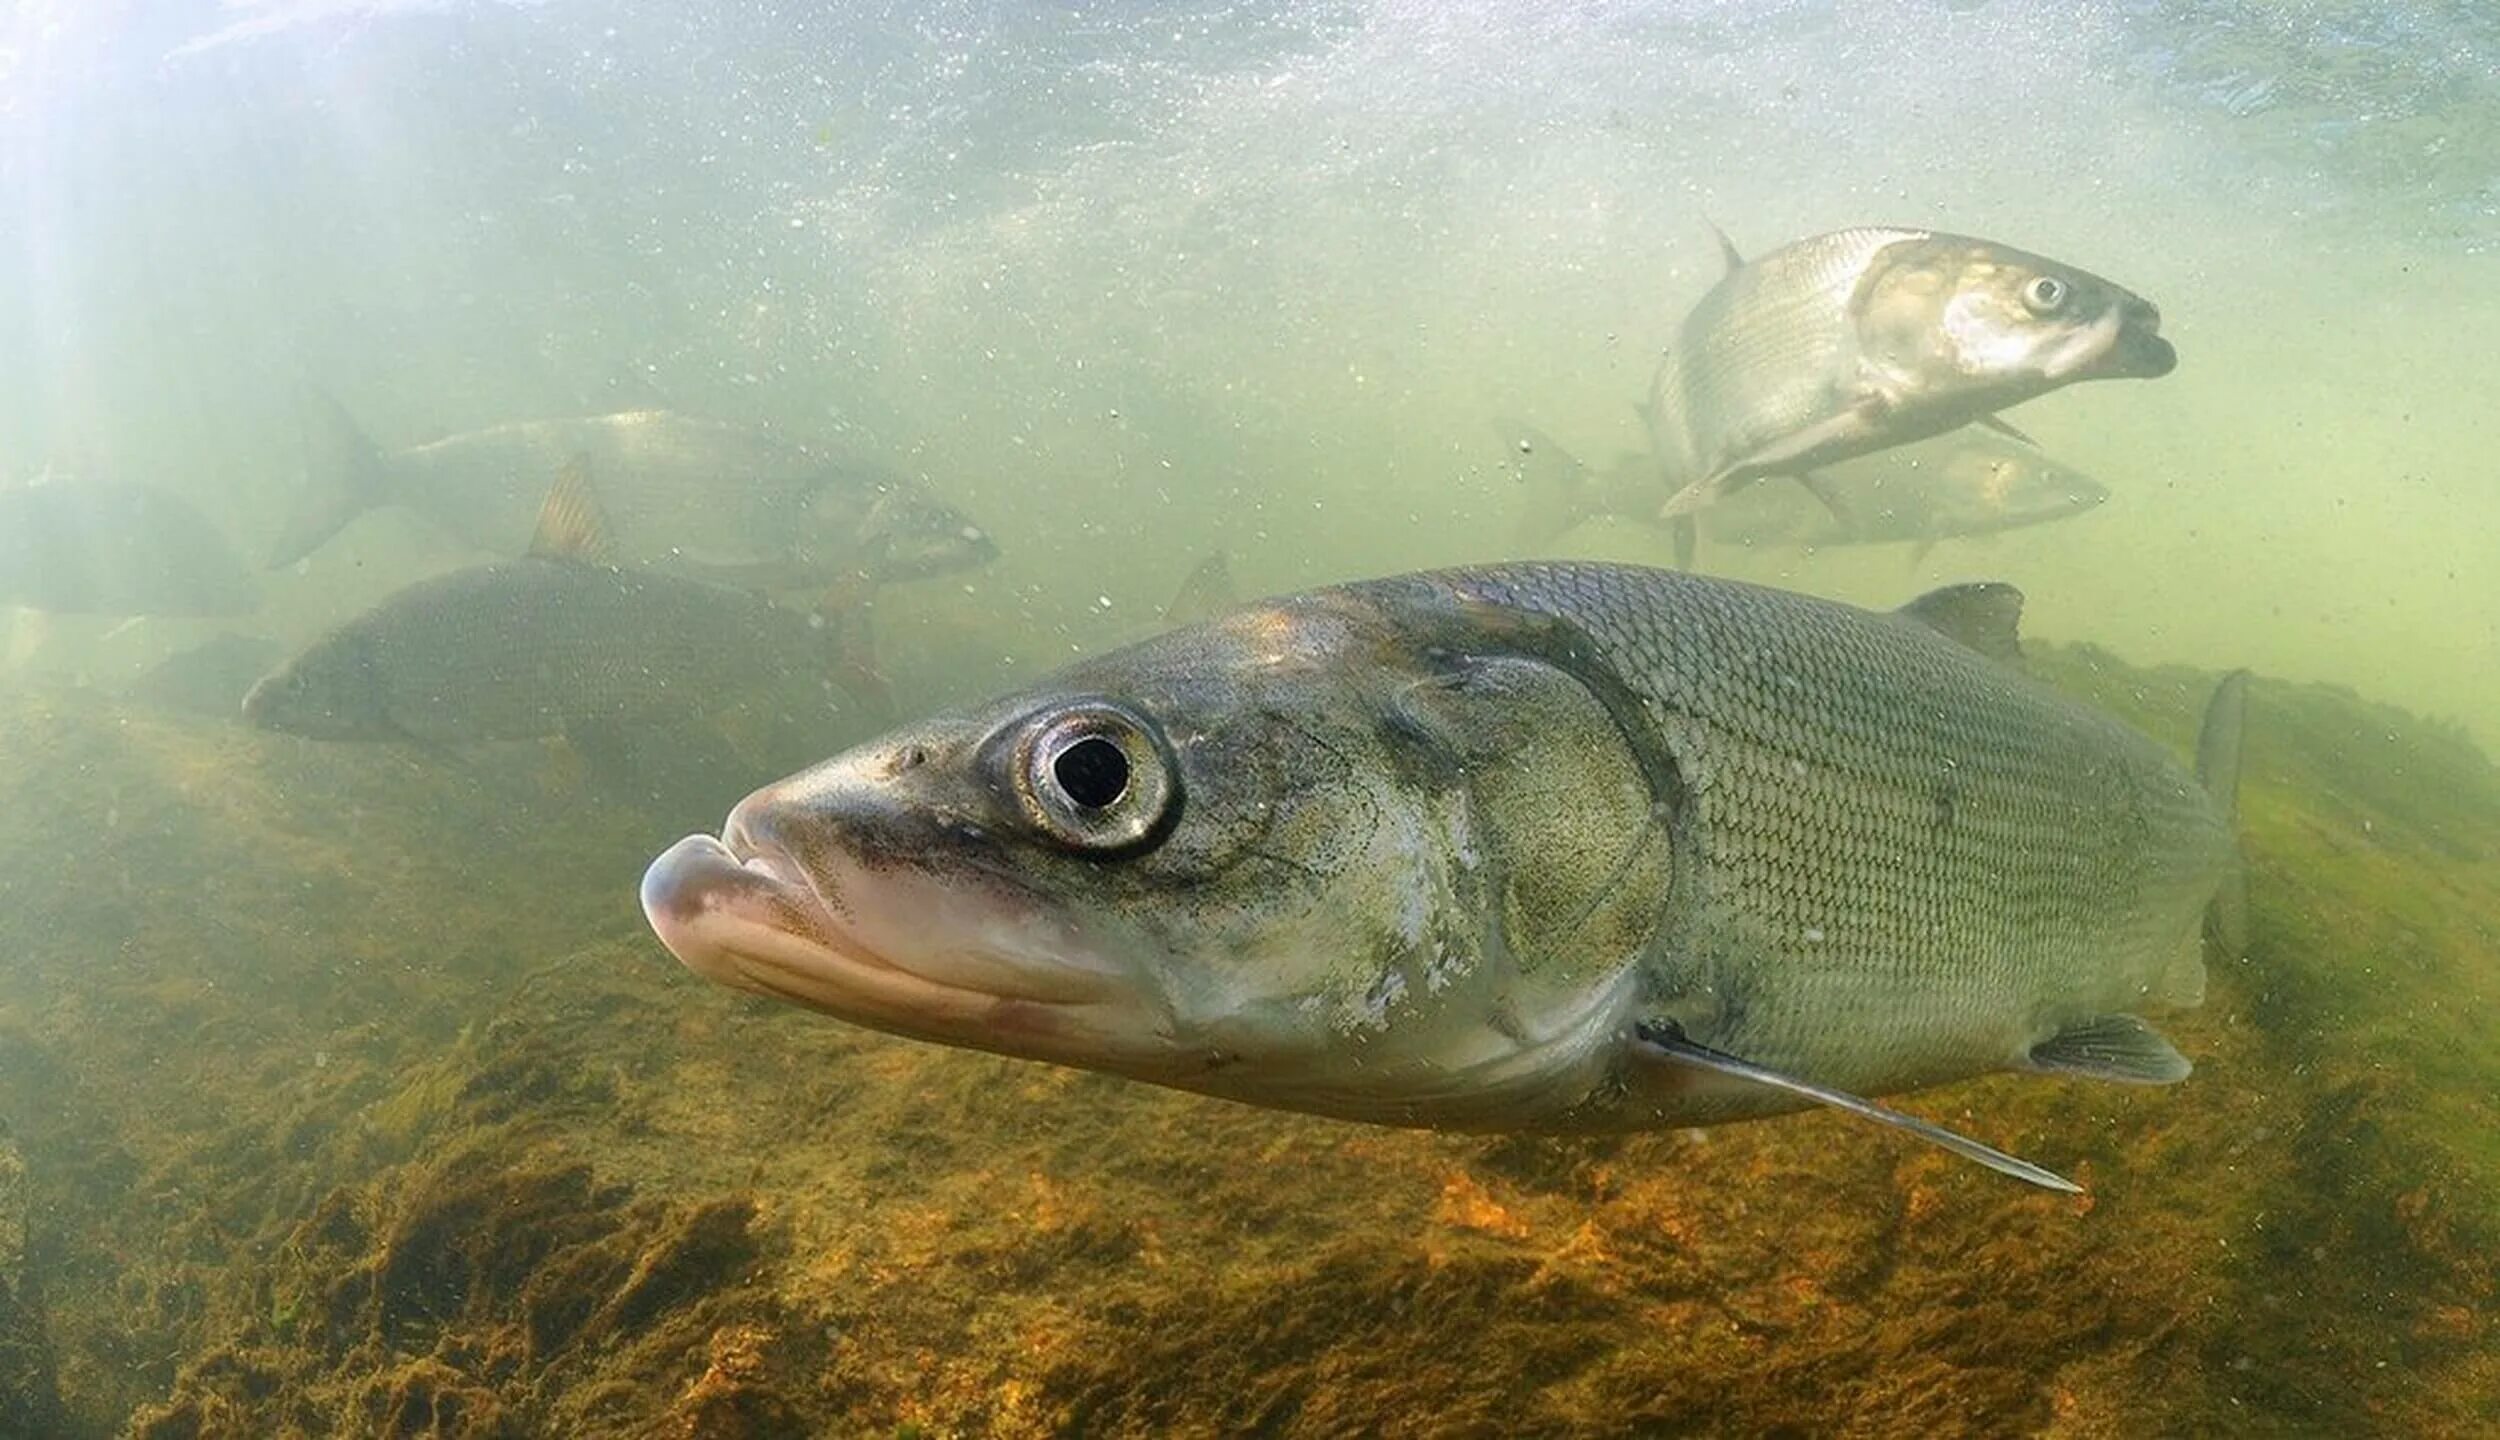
{"x":1855,"y":341}
{"x":558,"y":642}
{"x":1537,"y":847}
{"x":77,"y":545}
{"x":521,"y":649}
{"x":1955,"y":486}
{"x":696,"y":497}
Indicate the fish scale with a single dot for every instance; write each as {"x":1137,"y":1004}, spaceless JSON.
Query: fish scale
{"x":2066,"y":882}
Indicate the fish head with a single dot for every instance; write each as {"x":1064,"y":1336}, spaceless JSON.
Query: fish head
{"x":1269,"y":857}
{"x":909,"y":534}
{"x":330,"y":691}
{"x":1964,"y":321}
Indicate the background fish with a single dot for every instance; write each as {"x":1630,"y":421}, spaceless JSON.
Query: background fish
{"x":1954,"y":486}
{"x":1536,"y":847}
{"x":77,"y":545}
{"x":1858,"y":340}
{"x":558,"y":643}
{"x":693,"y":496}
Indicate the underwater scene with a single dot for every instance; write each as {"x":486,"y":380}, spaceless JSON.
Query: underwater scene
{"x":1452,"y":718}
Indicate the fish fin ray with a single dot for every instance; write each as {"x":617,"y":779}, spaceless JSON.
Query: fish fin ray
{"x":1555,"y":479}
{"x":2112,"y":1047}
{"x":1729,"y":255}
{"x":1205,"y":592}
{"x":345,"y":474}
{"x":1824,"y":491}
{"x":2005,"y":428}
{"x":1985,"y":616}
{"x":1667,"y":1041}
{"x":571,"y":526}
{"x":1691,"y":500}
{"x":1920,"y":549}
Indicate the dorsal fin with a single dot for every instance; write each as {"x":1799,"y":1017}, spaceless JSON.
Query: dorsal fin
{"x":1207,"y":591}
{"x":571,"y":525}
{"x":1727,"y":247}
{"x":1985,"y":616}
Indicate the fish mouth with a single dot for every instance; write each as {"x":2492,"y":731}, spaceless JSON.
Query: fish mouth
{"x":887,"y":949}
{"x":2139,"y":352}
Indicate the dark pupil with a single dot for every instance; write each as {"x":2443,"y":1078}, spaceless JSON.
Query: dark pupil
{"x":1093,"y":772}
{"x":2048,"y":292}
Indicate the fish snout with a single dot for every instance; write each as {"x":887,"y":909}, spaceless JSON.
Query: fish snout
{"x":870,"y":803}
{"x":2141,"y":353}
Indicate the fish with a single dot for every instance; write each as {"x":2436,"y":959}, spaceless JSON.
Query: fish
{"x":1956,"y":486}
{"x":1535,"y":847}
{"x":85,"y":545}
{"x":560,"y":642}
{"x":695,"y":497}
{"x":1855,"y":341}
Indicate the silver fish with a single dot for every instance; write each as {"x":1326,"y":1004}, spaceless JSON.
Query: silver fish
{"x":1538,"y":847}
{"x":695,"y":497}
{"x":1955,"y":486}
{"x":1859,"y":340}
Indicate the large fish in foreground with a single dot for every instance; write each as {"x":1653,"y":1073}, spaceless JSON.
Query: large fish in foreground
{"x":1958,"y":486}
{"x":1541,"y":847}
{"x":696,"y":497}
{"x":1859,"y":340}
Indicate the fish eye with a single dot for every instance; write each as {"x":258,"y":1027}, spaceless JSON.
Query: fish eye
{"x":1096,"y":778}
{"x":2046,"y":295}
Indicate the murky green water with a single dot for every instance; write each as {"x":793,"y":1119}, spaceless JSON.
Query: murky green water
{"x":349,"y":1093}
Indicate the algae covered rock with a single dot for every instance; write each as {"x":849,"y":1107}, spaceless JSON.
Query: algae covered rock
{"x":356,"y":1101}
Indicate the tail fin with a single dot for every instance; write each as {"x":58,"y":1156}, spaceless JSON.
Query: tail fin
{"x":344,"y":476}
{"x":1556,"y":482}
{"x":2218,"y":770}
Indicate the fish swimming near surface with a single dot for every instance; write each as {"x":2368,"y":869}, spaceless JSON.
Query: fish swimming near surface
{"x":1958,"y":486}
{"x":558,"y":642}
{"x":695,"y":497}
{"x":80,"y":545}
{"x":1859,"y":340}
{"x":1533,"y":847}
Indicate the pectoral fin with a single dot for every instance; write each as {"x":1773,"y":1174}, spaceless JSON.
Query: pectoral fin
{"x":2006,"y":429}
{"x":2112,"y":1047}
{"x":1690,"y":500}
{"x":1666,"y":1040}
{"x":1821,"y":489}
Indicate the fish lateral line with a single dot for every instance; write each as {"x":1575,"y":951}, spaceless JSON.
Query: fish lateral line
{"x":1666,"y":1041}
